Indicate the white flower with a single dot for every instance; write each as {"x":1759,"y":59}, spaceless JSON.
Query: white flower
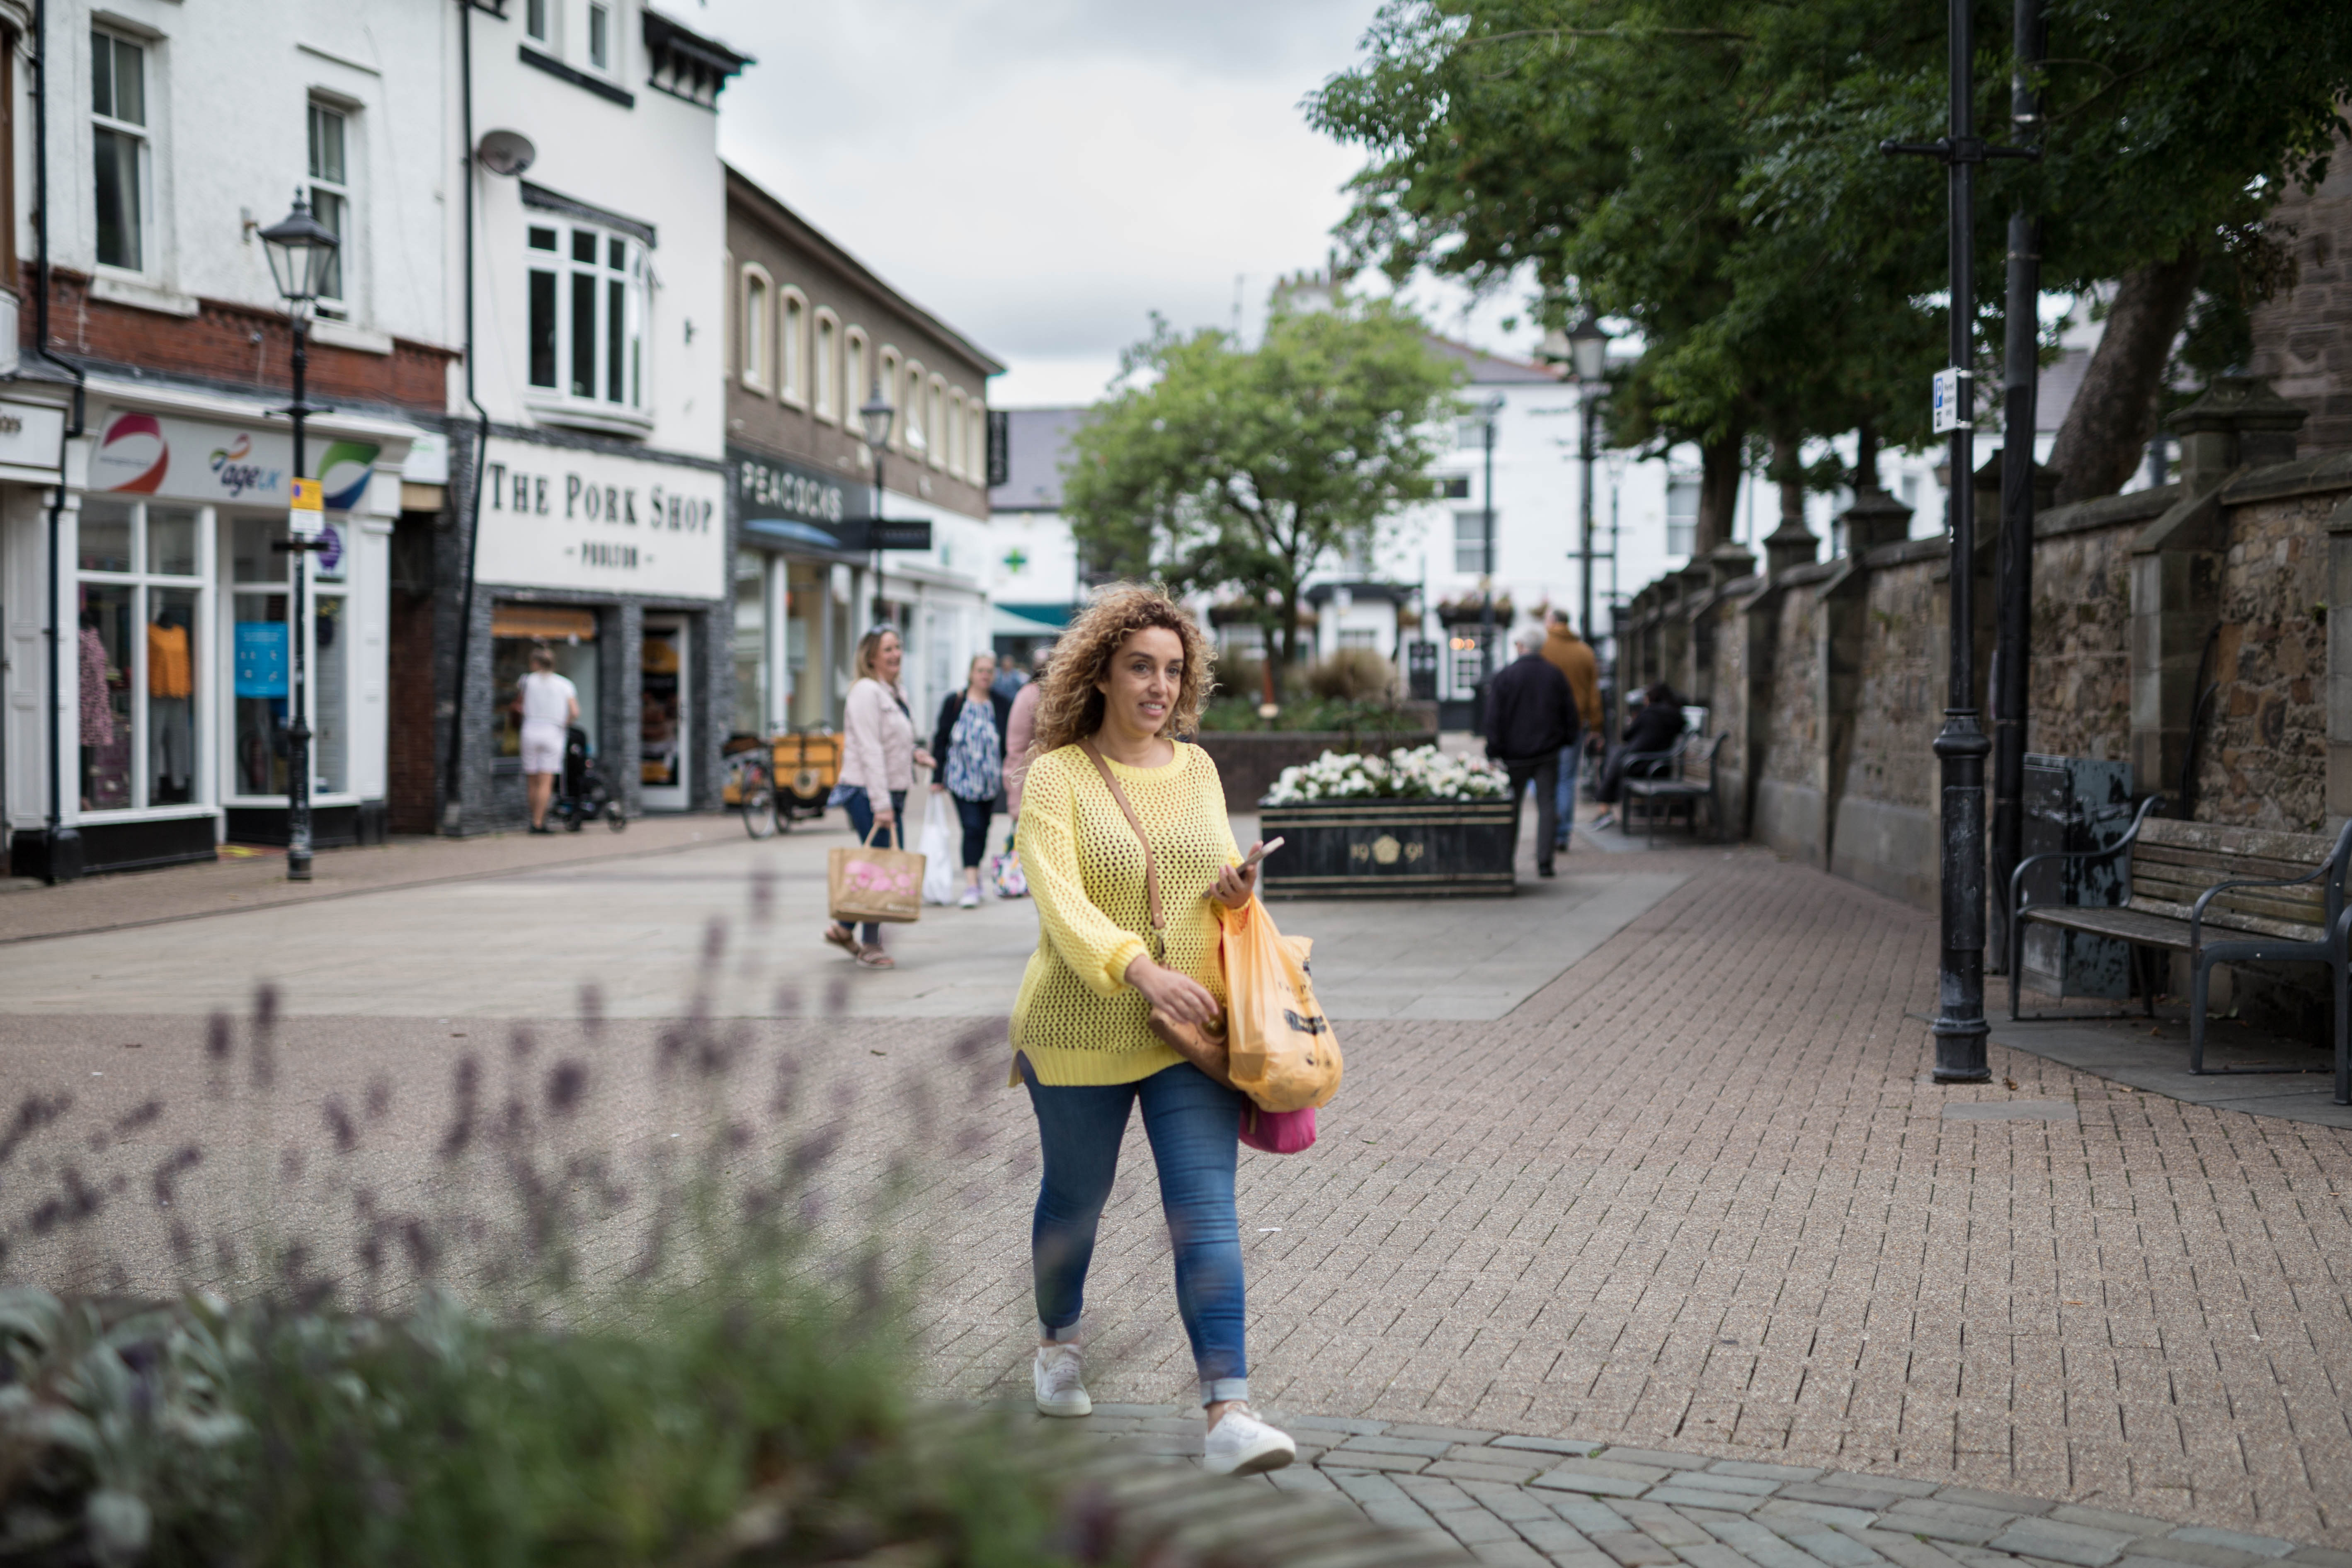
{"x":1422,"y":773}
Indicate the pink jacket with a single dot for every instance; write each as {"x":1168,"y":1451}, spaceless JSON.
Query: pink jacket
{"x":1020,"y":734}
{"x":877,"y":741}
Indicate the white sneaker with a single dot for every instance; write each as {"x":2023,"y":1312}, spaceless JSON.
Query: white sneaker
{"x":1059,"y":1375}
{"x":1241,"y":1445}
{"x":971,"y":899}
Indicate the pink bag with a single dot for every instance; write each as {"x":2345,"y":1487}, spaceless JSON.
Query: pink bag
{"x":1278,"y":1132}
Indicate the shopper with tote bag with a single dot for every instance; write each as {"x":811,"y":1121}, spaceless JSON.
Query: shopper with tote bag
{"x":1127,"y":681}
{"x":878,"y":758}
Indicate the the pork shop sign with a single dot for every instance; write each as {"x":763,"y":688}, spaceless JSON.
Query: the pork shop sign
{"x":554,"y":518}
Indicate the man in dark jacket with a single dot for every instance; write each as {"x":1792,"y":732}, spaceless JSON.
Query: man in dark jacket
{"x":1653,"y":728}
{"x":1530,"y":715}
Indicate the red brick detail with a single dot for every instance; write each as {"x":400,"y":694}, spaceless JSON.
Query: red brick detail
{"x":409,"y":783}
{"x":234,"y":344}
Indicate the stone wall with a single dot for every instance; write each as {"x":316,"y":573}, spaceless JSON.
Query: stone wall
{"x":1831,"y":676}
{"x":2262,"y":759}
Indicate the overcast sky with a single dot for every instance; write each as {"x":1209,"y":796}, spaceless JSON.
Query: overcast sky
{"x":1045,"y":174}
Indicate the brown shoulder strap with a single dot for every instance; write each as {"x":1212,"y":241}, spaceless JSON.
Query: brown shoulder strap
{"x":1150,"y":870}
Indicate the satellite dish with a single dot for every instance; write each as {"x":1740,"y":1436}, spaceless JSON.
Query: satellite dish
{"x":506,"y":151}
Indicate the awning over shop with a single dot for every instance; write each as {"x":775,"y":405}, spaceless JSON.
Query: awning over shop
{"x":787,"y":532}
{"x":1030,"y":620}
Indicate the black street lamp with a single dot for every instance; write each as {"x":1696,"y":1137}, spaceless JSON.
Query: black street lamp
{"x":301,"y":251}
{"x":876,"y":415}
{"x":1588,"y":348}
{"x":1491,"y":408}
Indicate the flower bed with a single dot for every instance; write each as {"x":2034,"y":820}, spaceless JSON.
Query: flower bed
{"x":1425,"y":773}
{"x":1416,"y":823}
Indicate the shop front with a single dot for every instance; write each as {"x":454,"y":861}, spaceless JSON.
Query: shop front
{"x":177,"y":664}
{"x":798,"y":585}
{"x":616,"y":562}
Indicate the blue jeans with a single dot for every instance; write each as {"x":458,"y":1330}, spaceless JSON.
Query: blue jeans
{"x":1564,"y":817}
{"x":861,"y":820}
{"x":1194,"y":1127}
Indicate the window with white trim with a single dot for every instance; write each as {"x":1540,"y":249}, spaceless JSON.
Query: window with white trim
{"x":951,"y":432}
{"x":754,"y":346}
{"x":1682,"y":513}
{"x":587,"y":313}
{"x":912,"y":416}
{"x":120,"y":150}
{"x":894,"y":388}
{"x":330,"y":200}
{"x":792,"y":347}
{"x":856,"y":370}
{"x":828,"y":366}
{"x":143,"y":605}
{"x":600,"y":36}
{"x":934,"y":421}
{"x":535,"y":20}
{"x":1470,"y":542}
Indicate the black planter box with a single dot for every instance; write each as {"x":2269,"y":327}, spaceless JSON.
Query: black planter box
{"x":1391,"y":849}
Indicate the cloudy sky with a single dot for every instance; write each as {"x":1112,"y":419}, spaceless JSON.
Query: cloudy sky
{"x":1045,"y":174}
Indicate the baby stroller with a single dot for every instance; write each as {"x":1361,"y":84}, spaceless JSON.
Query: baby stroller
{"x":584,"y":796}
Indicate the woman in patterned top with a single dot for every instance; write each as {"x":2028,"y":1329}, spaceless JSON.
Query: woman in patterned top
{"x":1126,"y":681}
{"x":970,"y":745}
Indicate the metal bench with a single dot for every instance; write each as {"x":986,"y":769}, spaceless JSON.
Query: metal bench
{"x":2222,"y":895}
{"x":1687,"y":778}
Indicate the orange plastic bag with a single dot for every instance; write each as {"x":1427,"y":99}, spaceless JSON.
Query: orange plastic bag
{"x":1281,"y":1050}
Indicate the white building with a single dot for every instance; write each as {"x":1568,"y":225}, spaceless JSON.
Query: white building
{"x":145,"y":460}
{"x":593,"y":203}
{"x":1036,"y":580}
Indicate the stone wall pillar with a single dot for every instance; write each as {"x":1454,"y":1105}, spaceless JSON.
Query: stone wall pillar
{"x":2176,"y":568}
{"x":1874,"y":521}
{"x":2339,"y":664}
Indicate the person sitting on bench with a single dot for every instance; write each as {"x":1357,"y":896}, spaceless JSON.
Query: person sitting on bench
{"x":1655,"y":726}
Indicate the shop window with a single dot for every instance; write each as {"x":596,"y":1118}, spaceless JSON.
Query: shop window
{"x":586,"y":313}
{"x":751,"y":645}
{"x":140,"y":604}
{"x":330,"y":201}
{"x":120,"y":149}
{"x":570,"y":633}
{"x":261,"y":652}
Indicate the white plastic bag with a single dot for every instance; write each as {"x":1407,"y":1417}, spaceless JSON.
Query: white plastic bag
{"x":941,"y":830}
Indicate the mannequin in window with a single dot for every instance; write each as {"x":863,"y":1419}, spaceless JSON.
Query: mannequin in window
{"x":171,"y":687}
{"x":97,"y":706}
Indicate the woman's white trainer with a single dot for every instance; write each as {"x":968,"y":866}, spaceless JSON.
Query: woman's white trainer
{"x":1241,"y":1445}
{"x":1060,"y":1379}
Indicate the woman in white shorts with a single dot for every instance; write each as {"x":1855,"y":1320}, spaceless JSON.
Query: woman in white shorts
{"x":550,"y":706}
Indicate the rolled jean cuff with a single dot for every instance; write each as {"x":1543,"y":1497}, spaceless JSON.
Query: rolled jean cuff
{"x":1065,"y":1335}
{"x":1216,"y":1390}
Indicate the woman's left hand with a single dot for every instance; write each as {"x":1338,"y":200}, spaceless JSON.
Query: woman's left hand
{"x":923,"y":758}
{"x":1235,"y":884}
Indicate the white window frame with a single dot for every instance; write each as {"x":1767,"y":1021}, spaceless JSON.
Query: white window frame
{"x":914,"y":419}
{"x":755,"y":338}
{"x":792,"y":346}
{"x":953,"y":431}
{"x":548,"y":14}
{"x":632,"y":413}
{"x":141,"y":133}
{"x":935,"y":421}
{"x":344,"y":305}
{"x":825,"y":396}
{"x":857,"y":349}
{"x":1687,"y":524}
{"x":610,"y":65}
{"x":890,"y":373}
{"x":1474,"y":519}
{"x":142,"y":582}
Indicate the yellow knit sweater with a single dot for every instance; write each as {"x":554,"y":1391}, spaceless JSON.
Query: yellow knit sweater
{"x":1077,"y":1019}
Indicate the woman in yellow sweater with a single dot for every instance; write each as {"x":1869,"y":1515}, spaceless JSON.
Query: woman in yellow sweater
{"x":1126,"y":681}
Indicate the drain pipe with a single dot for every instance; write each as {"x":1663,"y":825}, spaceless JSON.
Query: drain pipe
{"x":452,"y":804}
{"x":65,"y":856}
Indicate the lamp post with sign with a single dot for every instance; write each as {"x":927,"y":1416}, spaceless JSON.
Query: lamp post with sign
{"x":876,"y":413}
{"x":300,"y":250}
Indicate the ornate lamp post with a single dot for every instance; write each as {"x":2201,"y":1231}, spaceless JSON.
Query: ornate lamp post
{"x":1588,"y":348}
{"x":301,"y":250}
{"x":876,"y":415}
{"x":1492,"y":407}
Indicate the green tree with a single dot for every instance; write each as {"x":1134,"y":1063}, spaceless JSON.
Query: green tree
{"x":1230,"y":470}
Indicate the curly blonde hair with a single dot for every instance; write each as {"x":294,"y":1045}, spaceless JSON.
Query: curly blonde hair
{"x":1070,"y":708}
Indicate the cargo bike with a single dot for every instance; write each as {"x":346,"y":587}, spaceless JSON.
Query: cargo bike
{"x":785,"y":778}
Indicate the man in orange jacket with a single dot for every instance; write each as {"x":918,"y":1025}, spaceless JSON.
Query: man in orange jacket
{"x":1573,"y":657}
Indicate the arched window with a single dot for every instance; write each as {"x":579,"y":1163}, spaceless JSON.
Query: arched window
{"x":856,"y":372}
{"x":754,"y":352}
{"x":792,"y":346}
{"x":951,"y":432}
{"x":828,"y":366}
{"x":913,"y":413}
{"x":887,"y":378}
{"x":935,"y":408}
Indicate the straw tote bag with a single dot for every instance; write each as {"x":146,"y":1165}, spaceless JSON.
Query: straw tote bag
{"x":875,"y":882}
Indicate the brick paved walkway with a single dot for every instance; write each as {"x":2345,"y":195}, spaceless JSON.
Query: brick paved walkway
{"x":1695,"y":1196}
{"x":1520,"y":1501}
